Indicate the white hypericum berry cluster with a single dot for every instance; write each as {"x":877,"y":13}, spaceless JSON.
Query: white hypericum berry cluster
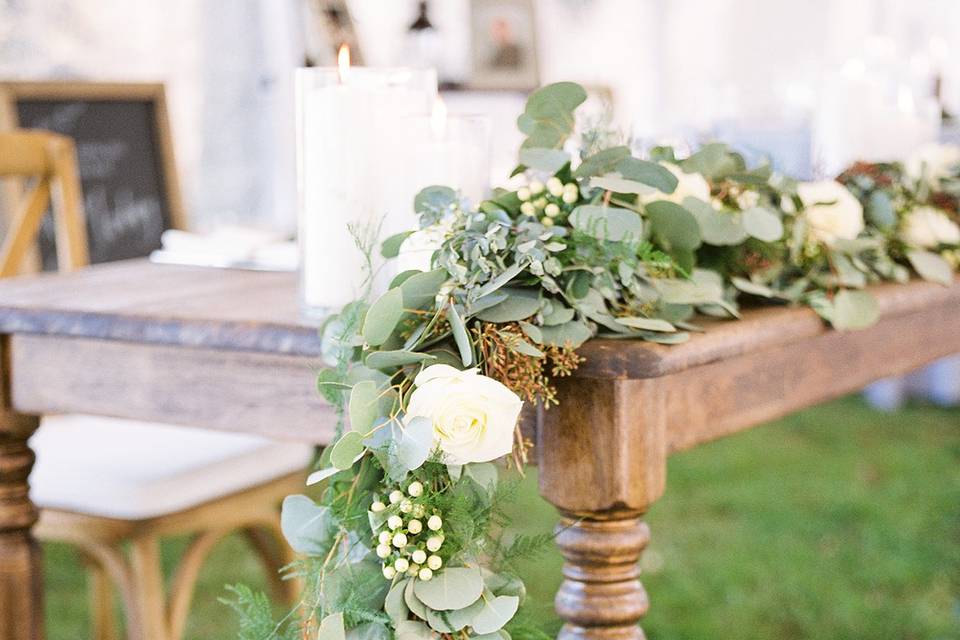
{"x":551,"y":199}
{"x":409,"y":541}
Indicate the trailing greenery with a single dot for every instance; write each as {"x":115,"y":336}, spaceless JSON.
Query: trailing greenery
{"x":429,"y":377}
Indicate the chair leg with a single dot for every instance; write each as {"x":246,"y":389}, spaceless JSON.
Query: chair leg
{"x":103,"y":625}
{"x":147,"y":583}
{"x":185,"y":578}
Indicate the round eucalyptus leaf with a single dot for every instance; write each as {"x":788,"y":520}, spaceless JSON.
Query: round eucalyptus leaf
{"x":382,"y":317}
{"x":854,"y":310}
{"x":495,"y":614}
{"x":450,"y":589}
{"x":331,"y":628}
{"x":931,"y":266}
{"x":346,"y":450}
{"x":673,"y":226}
{"x":762,"y":224}
{"x":307,"y":526}
{"x":649,"y":324}
{"x":395,"y":606}
{"x":607,"y":223}
{"x":364,"y":406}
{"x":719,"y":228}
{"x":518,"y":304}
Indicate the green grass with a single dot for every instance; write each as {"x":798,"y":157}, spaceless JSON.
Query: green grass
{"x":838,"y":522}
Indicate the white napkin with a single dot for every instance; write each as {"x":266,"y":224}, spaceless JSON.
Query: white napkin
{"x":228,"y":246}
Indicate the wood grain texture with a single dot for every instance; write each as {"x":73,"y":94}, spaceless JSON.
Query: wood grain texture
{"x":270,"y":395}
{"x":21,"y":577}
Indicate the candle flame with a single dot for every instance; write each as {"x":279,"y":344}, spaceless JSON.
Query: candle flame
{"x":438,"y":118}
{"x":343,"y":61}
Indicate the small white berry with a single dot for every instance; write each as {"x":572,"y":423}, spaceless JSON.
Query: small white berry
{"x":434,"y":523}
{"x":389,"y":573}
{"x":394,"y":522}
{"x":570,"y":197}
{"x":377,"y":507}
{"x":551,"y":210}
{"x":401,"y":565}
{"x":536,"y":187}
{"x":554,"y":186}
{"x":527,"y":209}
{"x":571,"y":186}
{"x":419,"y":511}
{"x":399,"y":540}
{"x":523,"y":193}
{"x":396,"y":496}
{"x":425,"y":574}
{"x":412,"y":571}
{"x":383,"y":551}
{"x":547,"y":222}
{"x":406,"y":506}
{"x":434,"y":562}
{"x":415,"y":489}
{"x":540,"y":203}
{"x":384,"y":537}
{"x":434,"y":543}
{"x":415,"y":526}
{"x":419,"y":556}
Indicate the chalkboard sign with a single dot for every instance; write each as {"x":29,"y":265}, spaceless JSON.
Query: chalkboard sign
{"x":130,"y":193}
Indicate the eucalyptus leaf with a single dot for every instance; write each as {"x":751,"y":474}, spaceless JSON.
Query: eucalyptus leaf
{"x":931,"y":266}
{"x":495,"y":614}
{"x":483,"y":473}
{"x":572,"y":334}
{"x":607,"y":223}
{"x":487,"y":301}
{"x":673,"y":226}
{"x":396,"y":358}
{"x":346,"y":450}
{"x":719,"y":228}
{"x":649,"y":173}
{"x":648,"y":324}
{"x":549,"y":160}
{"x":331,"y":628}
{"x":434,"y":199}
{"x":518,"y":304}
{"x":753,"y":288}
{"x":420,"y":290}
{"x":364,"y":407}
{"x":499,"y":280}
{"x":854,"y":310}
{"x":460,"y":335}
{"x":708,"y":161}
{"x":390,"y":248}
{"x":370,"y":631}
{"x":559,"y":314}
{"x":413,"y":602}
{"x":395,"y":606}
{"x":382,"y":317}
{"x":880,"y":210}
{"x":452,"y":588}
{"x":688,"y":292}
{"x":532,"y":331}
{"x":414,"y":447}
{"x":762,"y":224}
{"x":307,"y":526}
{"x":618,"y":184}
{"x":412,"y":630}
{"x":601,"y":162}
{"x":555,"y":101}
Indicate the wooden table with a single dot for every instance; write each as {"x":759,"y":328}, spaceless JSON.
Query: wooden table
{"x":226,"y":350}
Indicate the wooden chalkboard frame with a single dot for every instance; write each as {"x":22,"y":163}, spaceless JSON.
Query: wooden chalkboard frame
{"x":12,"y":92}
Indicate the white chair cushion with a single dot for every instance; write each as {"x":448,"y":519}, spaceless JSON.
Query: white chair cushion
{"x":134,"y":470}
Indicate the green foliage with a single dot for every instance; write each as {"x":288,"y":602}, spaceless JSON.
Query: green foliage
{"x":254,"y":615}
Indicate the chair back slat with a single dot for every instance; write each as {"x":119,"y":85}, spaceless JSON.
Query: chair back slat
{"x":51,"y":160}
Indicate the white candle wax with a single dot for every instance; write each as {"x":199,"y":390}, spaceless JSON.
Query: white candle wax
{"x":348,"y":153}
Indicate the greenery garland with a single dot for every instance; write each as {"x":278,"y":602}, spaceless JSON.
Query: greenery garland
{"x":405,"y":537}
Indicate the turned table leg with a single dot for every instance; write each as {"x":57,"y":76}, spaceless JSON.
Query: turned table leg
{"x":602,"y":457}
{"x":21,"y":588}
{"x":601,"y":595}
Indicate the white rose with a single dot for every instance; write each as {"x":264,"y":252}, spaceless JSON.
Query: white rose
{"x":932,"y":162}
{"x":928,"y":227}
{"x":688,"y":185}
{"x":831,"y":211}
{"x":473,"y":416}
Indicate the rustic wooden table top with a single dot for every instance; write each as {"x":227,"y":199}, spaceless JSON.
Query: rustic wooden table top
{"x":138,"y":301}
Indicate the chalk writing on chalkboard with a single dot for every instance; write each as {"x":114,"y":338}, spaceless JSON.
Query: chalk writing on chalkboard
{"x":121,"y":173}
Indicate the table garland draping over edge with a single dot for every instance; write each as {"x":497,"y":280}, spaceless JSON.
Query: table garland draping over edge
{"x":405,"y":536}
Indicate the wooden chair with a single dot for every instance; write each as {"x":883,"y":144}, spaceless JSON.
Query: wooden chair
{"x":104,"y":484}
{"x":50,"y":161}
